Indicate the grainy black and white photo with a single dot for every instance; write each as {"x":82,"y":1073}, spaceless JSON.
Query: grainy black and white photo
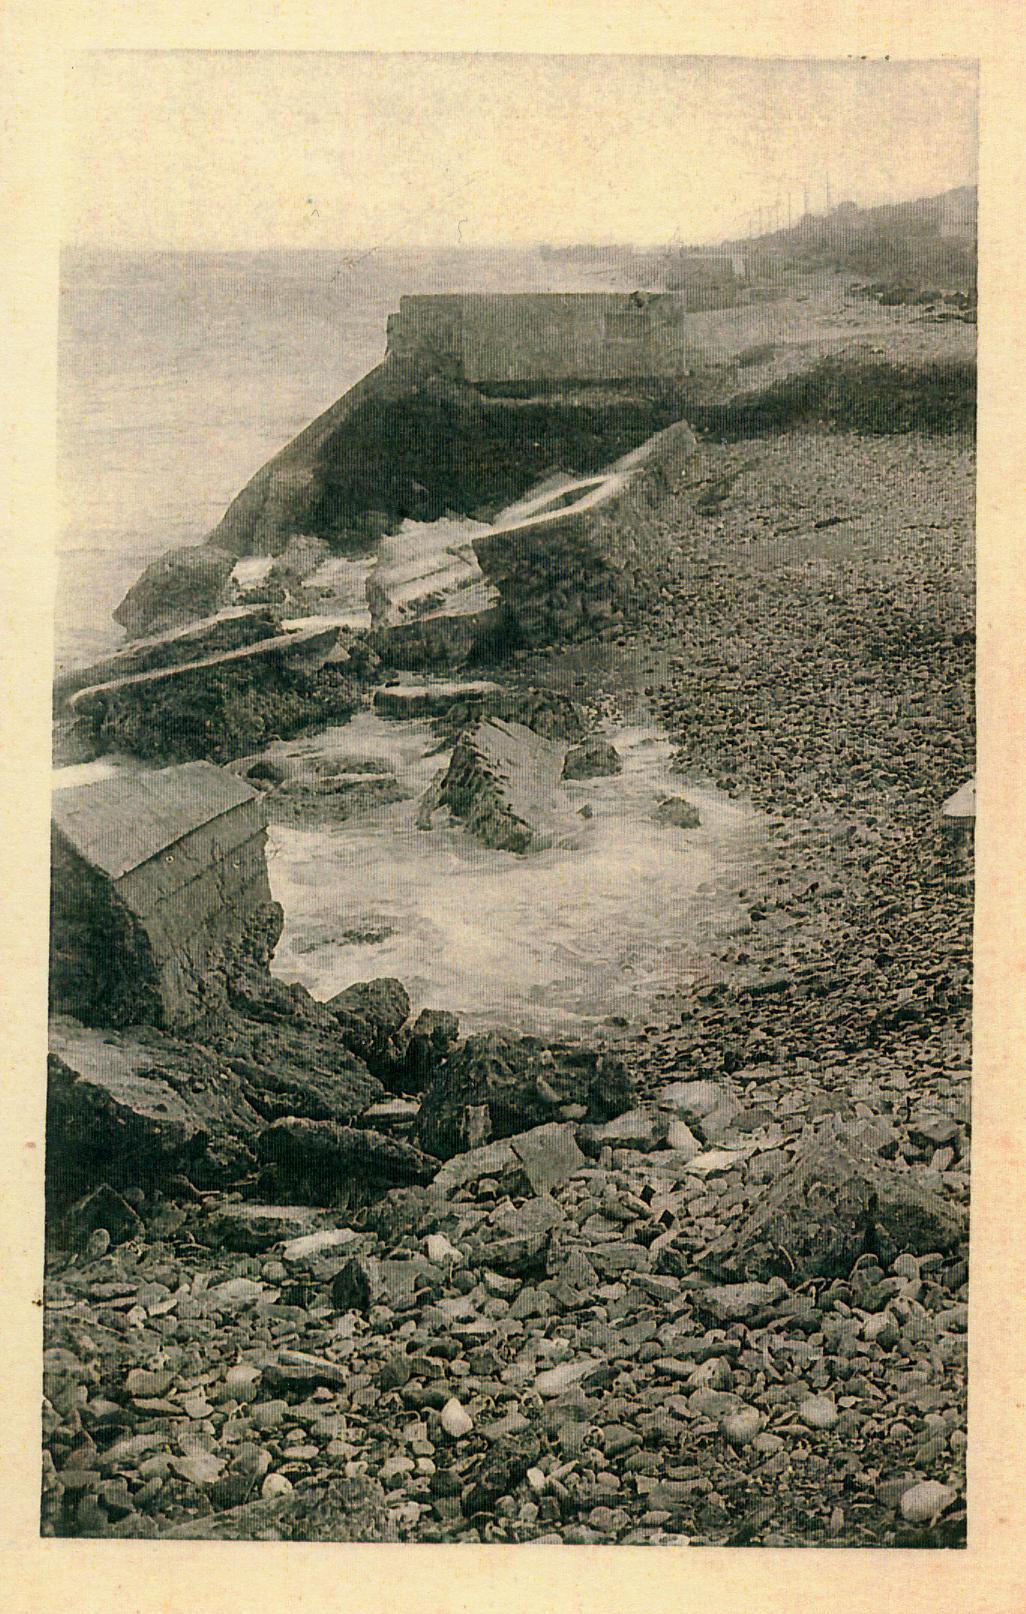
{"x":513,"y":801}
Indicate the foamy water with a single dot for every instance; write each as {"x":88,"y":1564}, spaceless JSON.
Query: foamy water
{"x":551,"y":942}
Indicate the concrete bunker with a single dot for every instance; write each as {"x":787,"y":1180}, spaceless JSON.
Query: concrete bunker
{"x":153,"y":875}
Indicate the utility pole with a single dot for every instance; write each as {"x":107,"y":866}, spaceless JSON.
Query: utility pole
{"x":789,"y":217}
{"x":829,"y":202}
{"x":805,"y":198}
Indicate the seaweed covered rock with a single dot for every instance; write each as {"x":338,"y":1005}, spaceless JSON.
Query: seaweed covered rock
{"x":370,"y":1015}
{"x":500,"y":1084}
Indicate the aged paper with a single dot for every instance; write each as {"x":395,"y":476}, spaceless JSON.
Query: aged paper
{"x":44,"y":1574}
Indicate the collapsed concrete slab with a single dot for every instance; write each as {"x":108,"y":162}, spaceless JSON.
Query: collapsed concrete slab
{"x":151,"y":875}
{"x":231,"y":629}
{"x":477,"y":399}
{"x":503,"y":783}
{"x":574,"y":556}
{"x":431,"y":700}
{"x":124,"y":1110}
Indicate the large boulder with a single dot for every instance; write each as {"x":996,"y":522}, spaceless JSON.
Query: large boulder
{"x":370,"y":1016}
{"x":372,"y":1008}
{"x":503,"y":782}
{"x":835,"y":1202}
{"x":432,"y":1035}
{"x":182,"y":586}
{"x":126,"y":1109}
{"x":501,"y":1084}
{"x":321,"y":1163}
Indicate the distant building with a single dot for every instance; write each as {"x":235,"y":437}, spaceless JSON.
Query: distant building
{"x":522,"y":337}
{"x":151,"y":875}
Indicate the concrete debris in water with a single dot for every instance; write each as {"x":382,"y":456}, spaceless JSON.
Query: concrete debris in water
{"x":502,"y":782}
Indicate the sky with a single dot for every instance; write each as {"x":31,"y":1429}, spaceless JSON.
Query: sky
{"x":257,"y":150}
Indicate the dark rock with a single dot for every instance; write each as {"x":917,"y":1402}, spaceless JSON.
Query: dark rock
{"x":370,"y":1015}
{"x":501,"y":1471}
{"x":432,"y":1035}
{"x":123,"y":1108}
{"x":102,"y":1209}
{"x":331,"y":1164}
{"x":521,"y":1083}
{"x":383,"y":1005}
{"x":182,"y":585}
{"x":834,"y":1204}
{"x":231,"y":630}
{"x":341,"y":1510}
{"x":357,"y":1287}
{"x":265,"y":772}
{"x":678,"y":813}
{"x":592,"y":759}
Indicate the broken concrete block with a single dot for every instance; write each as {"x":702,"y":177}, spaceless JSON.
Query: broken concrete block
{"x":549,"y":1155}
{"x":503,"y":782}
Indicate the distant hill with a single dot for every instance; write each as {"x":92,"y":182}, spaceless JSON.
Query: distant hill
{"x":929,"y":243}
{"x":925,"y":245}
